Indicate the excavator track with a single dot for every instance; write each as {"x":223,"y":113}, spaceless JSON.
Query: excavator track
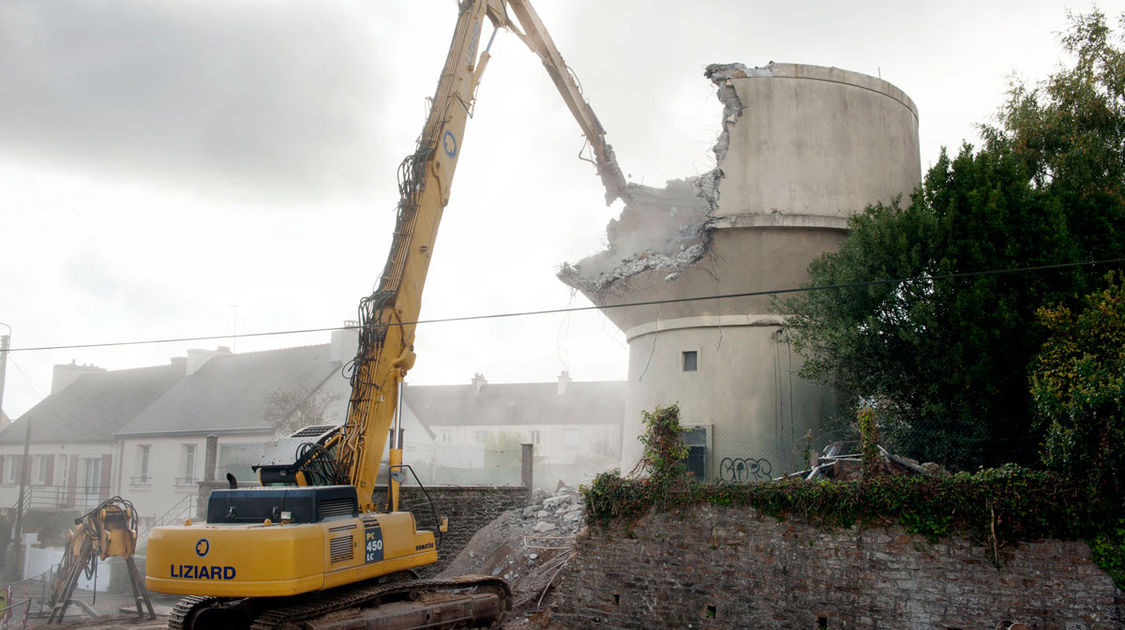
{"x":207,"y":612}
{"x":470,"y":601}
{"x":183,"y":609}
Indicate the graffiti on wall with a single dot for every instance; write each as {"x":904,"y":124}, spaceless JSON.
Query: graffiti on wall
{"x":745,"y":469}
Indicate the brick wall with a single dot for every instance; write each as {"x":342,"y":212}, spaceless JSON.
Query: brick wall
{"x":469,"y":508}
{"x":732,"y":568}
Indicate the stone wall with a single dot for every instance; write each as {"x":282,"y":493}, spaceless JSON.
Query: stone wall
{"x":732,"y":568}
{"x":469,"y":508}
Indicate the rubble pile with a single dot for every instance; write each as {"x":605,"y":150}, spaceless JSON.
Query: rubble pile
{"x":836,"y":463}
{"x":529,"y":548}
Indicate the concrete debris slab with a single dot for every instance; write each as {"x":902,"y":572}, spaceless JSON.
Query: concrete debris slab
{"x":528,"y":550}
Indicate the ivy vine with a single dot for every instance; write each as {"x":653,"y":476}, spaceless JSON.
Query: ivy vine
{"x":992,"y":507}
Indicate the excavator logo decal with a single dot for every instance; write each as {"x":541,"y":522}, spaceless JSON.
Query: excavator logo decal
{"x":202,"y":547}
{"x":201,"y":572}
{"x":449,"y":143}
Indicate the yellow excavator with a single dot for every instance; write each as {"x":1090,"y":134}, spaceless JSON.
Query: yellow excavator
{"x":109,"y":530}
{"x":311,"y":548}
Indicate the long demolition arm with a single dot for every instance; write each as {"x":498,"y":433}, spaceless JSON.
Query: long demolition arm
{"x":537,"y":38}
{"x":387,"y":316}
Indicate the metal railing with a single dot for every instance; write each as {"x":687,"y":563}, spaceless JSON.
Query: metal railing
{"x":62,"y":497}
{"x":176,"y":514}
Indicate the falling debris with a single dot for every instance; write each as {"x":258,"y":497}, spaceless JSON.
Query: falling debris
{"x":665,"y":228}
{"x":660,"y":228}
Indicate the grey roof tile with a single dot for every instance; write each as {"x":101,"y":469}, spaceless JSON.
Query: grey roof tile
{"x":232,"y":393}
{"x":94,"y":406}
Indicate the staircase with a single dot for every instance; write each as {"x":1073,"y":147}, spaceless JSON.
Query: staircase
{"x":175,"y":515}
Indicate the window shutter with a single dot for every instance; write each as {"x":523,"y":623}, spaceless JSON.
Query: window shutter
{"x":72,"y":480}
{"x":50,"y":478}
{"x":107,"y":461}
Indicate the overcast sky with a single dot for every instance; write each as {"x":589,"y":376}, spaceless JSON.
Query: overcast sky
{"x":180,"y":169}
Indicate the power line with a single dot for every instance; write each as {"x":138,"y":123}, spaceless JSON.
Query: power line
{"x":576,"y":309}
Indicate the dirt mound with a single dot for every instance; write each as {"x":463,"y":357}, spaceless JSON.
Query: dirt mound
{"x":528,"y":548}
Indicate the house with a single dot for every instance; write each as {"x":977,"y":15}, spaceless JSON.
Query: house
{"x":143,"y":433}
{"x":71,"y":450}
{"x":241,"y":399}
{"x":575,"y":427}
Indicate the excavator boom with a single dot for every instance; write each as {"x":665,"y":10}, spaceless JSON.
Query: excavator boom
{"x":313,"y":541}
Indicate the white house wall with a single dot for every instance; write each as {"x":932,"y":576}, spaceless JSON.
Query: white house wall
{"x":563,"y":444}
{"x":64,"y":484}
{"x":168,"y":491}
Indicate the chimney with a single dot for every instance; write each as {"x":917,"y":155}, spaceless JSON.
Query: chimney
{"x":478,"y":382}
{"x":66,"y":374}
{"x":345,"y":342}
{"x":197,"y":358}
{"x":564,"y":380}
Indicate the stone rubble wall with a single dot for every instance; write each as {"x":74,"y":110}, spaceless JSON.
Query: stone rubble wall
{"x":733,"y":568}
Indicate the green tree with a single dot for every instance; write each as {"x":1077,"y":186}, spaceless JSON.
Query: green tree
{"x":942,"y":353}
{"x":1078,"y":383}
{"x":290,"y":409}
{"x":1069,"y":131}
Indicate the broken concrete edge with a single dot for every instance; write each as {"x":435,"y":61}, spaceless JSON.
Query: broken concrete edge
{"x":722,"y":75}
{"x":725,"y":72}
{"x":661,"y":228}
{"x":687,"y":242}
{"x":660,"y":235}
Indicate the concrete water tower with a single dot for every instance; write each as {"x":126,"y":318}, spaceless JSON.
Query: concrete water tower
{"x":802,"y":148}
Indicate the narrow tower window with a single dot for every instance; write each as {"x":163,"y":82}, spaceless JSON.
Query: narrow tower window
{"x":690,"y":361}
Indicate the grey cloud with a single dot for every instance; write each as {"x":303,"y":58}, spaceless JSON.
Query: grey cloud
{"x":272,"y":97}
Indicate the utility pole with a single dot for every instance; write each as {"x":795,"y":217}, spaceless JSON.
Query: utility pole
{"x":4,"y":339}
{"x":17,"y":533}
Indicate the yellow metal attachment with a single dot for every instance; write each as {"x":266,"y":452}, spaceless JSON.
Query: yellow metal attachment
{"x":187,"y":522}
{"x":444,"y":527}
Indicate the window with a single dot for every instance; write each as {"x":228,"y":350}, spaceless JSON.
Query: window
{"x":690,"y":361}
{"x":695,"y":439}
{"x":480,"y":436}
{"x":12,"y":474}
{"x":188,"y":466}
{"x":446,"y":437}
{"x":142,"y":476}
{"x":238,"y":459}
{"x":570,"y":438}
{"x":533,"y":437}
{"x":91,"y":490}
{"x":39,"y":470}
